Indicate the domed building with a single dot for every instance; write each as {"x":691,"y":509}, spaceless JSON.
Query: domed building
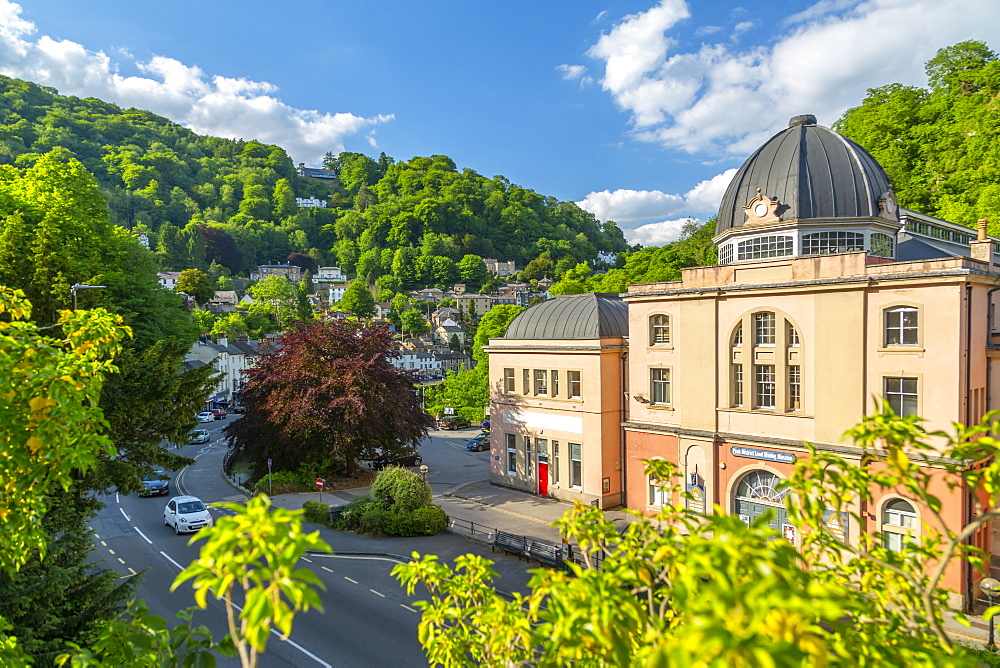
{"x":828,"y":298}
{"x":556,"y":382}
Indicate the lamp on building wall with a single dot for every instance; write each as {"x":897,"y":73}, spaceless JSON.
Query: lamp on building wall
{"x":641,"y":399}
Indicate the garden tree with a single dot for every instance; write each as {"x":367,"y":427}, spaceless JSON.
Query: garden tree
{"x":573,"y":282}
{"x":224,"y":283}
{"x":329,"y":395}
{"x":454,"y":343}
{"x":687,"y":589}
{"x":274,"y":297}
{"x":220,"y":247}
{"x":413,"y":322}
{"x":303,"y":307}
{"x":196,"y":283}
{"x":230,"y":325}
{"x":204,"y":321}
{"x":303,"y":260}
{"x":358,"y":300}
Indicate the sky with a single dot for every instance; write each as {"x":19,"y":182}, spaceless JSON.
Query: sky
{"x":640,"y":111}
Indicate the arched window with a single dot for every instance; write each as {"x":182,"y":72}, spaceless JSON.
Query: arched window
{"x":793,"y":334}
{"x":738,"y":336}
{"x":899,"y":523}
{"x":756,"y":494}
{"x":659,"y":330}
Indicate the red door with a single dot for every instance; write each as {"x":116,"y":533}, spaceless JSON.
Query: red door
{"x":543,"y":478}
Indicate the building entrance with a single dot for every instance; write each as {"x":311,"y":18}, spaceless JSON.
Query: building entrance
{"x":756,"y":495}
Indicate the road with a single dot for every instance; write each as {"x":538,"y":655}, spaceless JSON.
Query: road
{"x":368,"y":620}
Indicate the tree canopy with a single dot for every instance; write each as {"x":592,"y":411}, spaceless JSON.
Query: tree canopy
{"x":330,"y":396}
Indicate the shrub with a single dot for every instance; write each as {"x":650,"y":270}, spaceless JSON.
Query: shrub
{"x":425,"y":521}
{"x":282,"y":482}
{"x":376,"y":519}
{"x":351,"y":517}
{"x":316,"y":512}
{"x":401,"y":488}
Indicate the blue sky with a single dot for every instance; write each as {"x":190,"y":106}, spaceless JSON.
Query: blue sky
{"x":637,"y":110}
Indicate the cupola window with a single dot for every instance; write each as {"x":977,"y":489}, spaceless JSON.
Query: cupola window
{"x":762,"y":247}
{"x":882,"y":245}
{"x":826,"y":243}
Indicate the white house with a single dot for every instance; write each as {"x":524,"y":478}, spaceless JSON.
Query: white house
{"x":168,"y":279}
{"x":310,"y":202}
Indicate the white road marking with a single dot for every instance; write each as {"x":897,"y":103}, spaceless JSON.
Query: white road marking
{"x":360,"y":556}
{"x":132,"y":571}
{"x":124,"y":515}
{"x":111,"y":551}
{"x":376,"y":593}
{"x":350,"y":580}
{"x":143,"y":535}
{"x":326,"y":569}
{"x":303,"y":650}
{"x":116,"y":498}
{"x":167,"y":557}
{"x":309,"y":560}
{"x":408,"y":608}
{"x":121,"y":561}
{"x":103,"y":543}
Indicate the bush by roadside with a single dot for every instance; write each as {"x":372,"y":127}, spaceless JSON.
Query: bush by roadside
{"x":399,"y":505}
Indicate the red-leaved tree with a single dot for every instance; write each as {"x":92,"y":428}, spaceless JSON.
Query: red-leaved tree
{"x":328,"y":396}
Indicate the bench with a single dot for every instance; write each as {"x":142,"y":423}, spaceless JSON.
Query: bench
{"x":509,"y":543}
{"x":545,"y":553}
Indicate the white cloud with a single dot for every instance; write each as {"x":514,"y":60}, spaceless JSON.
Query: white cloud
{"x":724,"y":100}
{"x":571,"y":72}
{"x":222,"y":106}
{"x":641,"y":213}
{"x":658,"y":234}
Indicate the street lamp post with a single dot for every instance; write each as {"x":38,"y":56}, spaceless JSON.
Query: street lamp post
{"x":990,"y":586}
{"x":80,"y":286}
{"x":424,"y":470}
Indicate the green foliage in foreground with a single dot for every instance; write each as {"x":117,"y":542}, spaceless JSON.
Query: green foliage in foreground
{"x":687,"y":590}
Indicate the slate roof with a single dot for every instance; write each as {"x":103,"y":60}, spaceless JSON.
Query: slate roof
{"x":588,"y":316}
{"x":813,"y":171}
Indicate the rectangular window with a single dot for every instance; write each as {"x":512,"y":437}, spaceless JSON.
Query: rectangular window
{"x":901,"y":393}
{"x":526,"y":381}
{"x":555,"y":383}
{"x":573,"y":377}
{"x":659,"y":330}
{"x":738,"y":385}
{"x":508,"y":381}
{"x":542,"y":446}
{"x":659,"y":386}
{"x":763,"y":329}
{"x":763,"y":380}
{"x":541,"y":382}
{"x":794,"y":388}
{"x":555,"y":462}
{"x":901,"y":327}
{"x":511,"y":454}
{"x":658,"y":493}
{"x":575,"y":466}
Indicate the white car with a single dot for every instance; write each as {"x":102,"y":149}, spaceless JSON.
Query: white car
{"x":206,"y":416}
{"x":187,"y":514}
{"x":200,"y":436}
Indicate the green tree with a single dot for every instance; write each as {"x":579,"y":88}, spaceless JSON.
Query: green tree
{"x":413,"y":322}
{"x":275,"y":297}
{"x":358,"y":300}
{"x":284,"y":200}
{"x":196,"y":283}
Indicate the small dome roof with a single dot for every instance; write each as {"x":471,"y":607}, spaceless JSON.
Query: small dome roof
{"x":813,"y":172}
{"x":589,"y":316}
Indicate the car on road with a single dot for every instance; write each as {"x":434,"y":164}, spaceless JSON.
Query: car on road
{"x":186,"y":514}
{"x":479,"y":442}
{"x":219,"y":413}
{"x":156,"y":483}
{"x":453,"y":422}
{"x":206,"y":416}
{"x":199,"y":436}
{"x":408,"y":457}
{"x":238,"y":410}
{"x":486,"y":425}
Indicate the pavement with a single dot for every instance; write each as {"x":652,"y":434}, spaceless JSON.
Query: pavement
{"x":477,"y":510}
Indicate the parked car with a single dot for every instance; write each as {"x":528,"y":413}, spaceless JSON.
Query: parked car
{"x":238,"y":410}
{"x":186,"y":514}
{"x":156,"y":483}
{"x":199,"y":436}
{"x":453,"y":423}
{"x":408,"y":457}
{"x":486,"y":425}
{"x":206,"y":416}
{"x":219,"y":413}
{"x":479,"y":442}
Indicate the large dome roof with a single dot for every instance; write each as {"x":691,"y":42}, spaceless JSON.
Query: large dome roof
{"x":589,"y":316}
{"x":812,"y":171}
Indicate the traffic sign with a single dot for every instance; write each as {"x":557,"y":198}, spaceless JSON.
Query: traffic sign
{"x":319,"y":484}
